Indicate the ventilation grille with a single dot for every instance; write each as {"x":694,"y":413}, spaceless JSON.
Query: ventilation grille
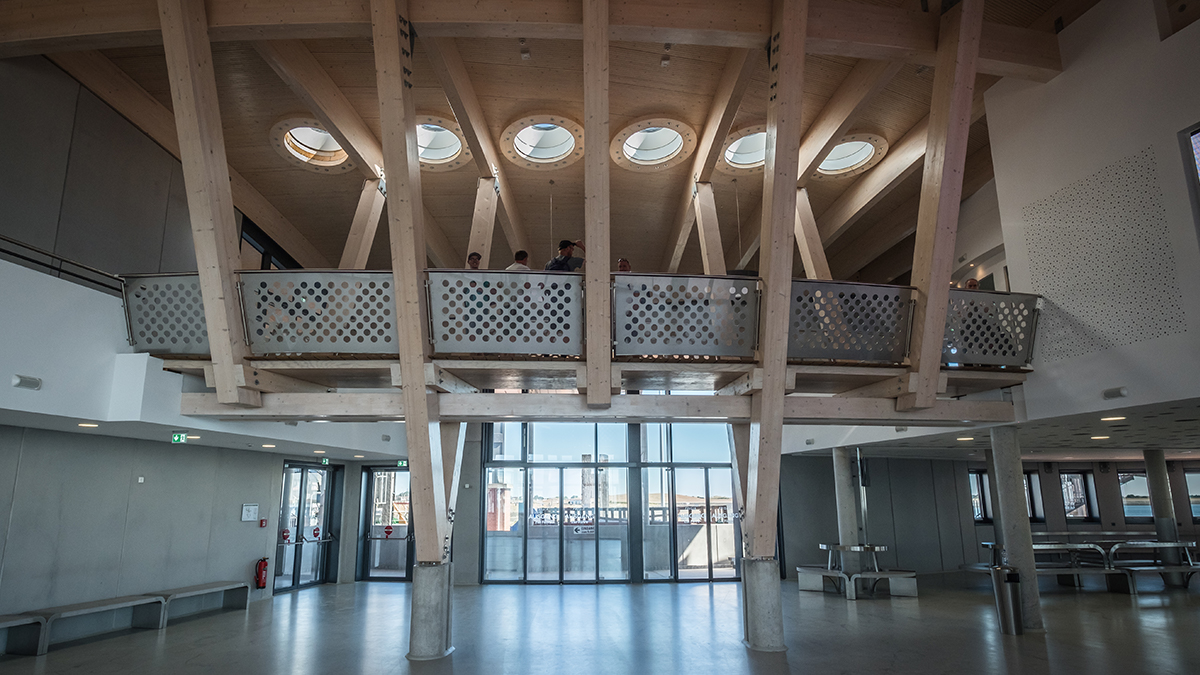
{"x":1100,"y":254}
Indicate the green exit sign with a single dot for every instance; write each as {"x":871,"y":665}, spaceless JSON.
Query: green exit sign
{"x":403,"y":463}
{"x":179,"y":437}
{"x":324,"y":460}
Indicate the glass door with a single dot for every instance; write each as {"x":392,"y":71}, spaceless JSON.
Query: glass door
{"x":688,"y":528}
{"x":303,"y":546}
{"x":388,"y":547}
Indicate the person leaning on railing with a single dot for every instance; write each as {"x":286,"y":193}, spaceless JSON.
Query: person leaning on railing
{"x":473,"y":259}
{"x":520,"y":262}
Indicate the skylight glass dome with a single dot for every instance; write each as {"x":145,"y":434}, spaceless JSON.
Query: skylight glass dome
{"x":653,"y":145}
{"x":847,"y":157}
{"x":544,"y":142}
{"x":748,"y":151}
{"x":436,"y":144}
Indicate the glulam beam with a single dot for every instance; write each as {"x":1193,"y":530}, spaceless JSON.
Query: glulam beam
{"x":596,"y":207}
{"x":209,"y":197}
{"x":941,"y":194}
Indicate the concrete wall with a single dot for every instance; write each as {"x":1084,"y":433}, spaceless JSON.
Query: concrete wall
{"x":1093,"y":195}
{"x":90,"y":186}
{"x":465,"y":548}
{"x":77,"y":525}
{"x":920,"y":509}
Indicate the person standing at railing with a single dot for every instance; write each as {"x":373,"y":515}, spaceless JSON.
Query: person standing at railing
{"x":972,"y":285}
{"x":473,"y":259}
{"x":566,"y":261}
{"x":520,"y":262}
{"x":623,"y":265}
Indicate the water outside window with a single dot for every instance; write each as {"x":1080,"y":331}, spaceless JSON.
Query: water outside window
{"x":1135,"y":495}
{"x":1193,"y":488}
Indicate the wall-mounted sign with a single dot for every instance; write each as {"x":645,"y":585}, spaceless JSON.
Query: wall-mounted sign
{"x":324,"y":460}
{"x":403,"y":463}
{"x":249,"y":512}
{"x":179,"y":437}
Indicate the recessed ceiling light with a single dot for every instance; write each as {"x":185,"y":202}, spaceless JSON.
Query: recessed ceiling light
{"x":319,"y":452}
{"x":193,"y":438}
{"x":320,"y":421}
{"x":1111,"y":419}
{"x":268,"y":445}
{"x":1099,"y":438}
{"x":359,"y":456}
{"x":88,"y":425}
{"x":966,"y":438}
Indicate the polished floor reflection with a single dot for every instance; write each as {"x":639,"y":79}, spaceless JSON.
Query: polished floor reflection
{"x":655,"y":628}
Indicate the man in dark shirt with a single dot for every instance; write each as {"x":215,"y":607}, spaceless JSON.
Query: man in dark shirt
{"x":566,"y":261}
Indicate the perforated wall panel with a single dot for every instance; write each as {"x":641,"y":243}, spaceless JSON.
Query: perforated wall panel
{"x":166,"y":314}
{"x":507,"y":313}
{"x":852,"y":322}
{"x":685,"y":316}
{"x":1100,"y":255}
{"x":291,"y":312}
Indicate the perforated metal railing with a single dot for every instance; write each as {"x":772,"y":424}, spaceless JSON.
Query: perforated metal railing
{"x":525,"y":313}
{"x":990,"y":328}
{"x":848,"y":321}
{"x":663,"y":315}
{"x":165,"y":314}
{"x":319,"y":312}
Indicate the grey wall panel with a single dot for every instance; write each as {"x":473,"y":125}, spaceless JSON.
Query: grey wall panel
{"x":167,"y":525}
{"x":178,"y":250}
{"x":945,"y":496}
{"x":809,"y":509}
{"x":1108,"y":494}
{"x":880,"y":526}
{"x":235,"y":546}
{"x":971,"y":550}
{"x":10,"y":461}
{"x":1053,"y":507}
{"x":115,"y":199}
{"x":68,"y":518}
{"x":467,"y":523}
{"x":37,"y":113}
{"x":918,"y":546}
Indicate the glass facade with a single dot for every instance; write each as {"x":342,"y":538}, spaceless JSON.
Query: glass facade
{"x":588,"y":503}
{"x":1135,"y":497}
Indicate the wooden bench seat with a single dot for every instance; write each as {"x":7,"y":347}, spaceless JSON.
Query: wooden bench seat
{"x":234,"y":595}
{"x":148,"y":612}
{"x":24,"y":633}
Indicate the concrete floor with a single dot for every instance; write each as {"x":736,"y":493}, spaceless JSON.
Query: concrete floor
{"x":657,"y":628}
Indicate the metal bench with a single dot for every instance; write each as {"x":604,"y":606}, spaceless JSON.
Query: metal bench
{"x":148,"y":612}
{"x":24,"y":633}
{"x":813,"y":579}
{"x":901,"y":583}
{"x":234,"y":595}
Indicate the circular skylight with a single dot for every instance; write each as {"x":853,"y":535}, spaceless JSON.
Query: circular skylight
{"x":747,"y":152}
{"x":544,"y":142}
{"x":440,"y":144}
{"x":846,"y":156}
{"x":437,"y":144}
{"x":652,"y":144}
{"x":853,"y":155}
{"x":305,"y":141}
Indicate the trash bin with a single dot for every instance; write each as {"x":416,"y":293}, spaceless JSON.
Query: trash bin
{"x":1006,"y":585}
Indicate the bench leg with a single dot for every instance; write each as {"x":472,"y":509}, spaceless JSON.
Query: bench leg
{"x":903,"y":586}
{"x":236,"y":598}
{"x":1120,"y":583}
{"x":151,"y":615}
{"x":30,"y":640}
{"x":851,"y":587}
{"x":811,"y":582}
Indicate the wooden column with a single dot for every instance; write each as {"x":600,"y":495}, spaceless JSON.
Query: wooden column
{"x":786,"y":54}
{"x":710,"y":233}
{"x":941,"y":192}
{"x":393,"y":68}
{"x":808,"y":239}
{"x":595,"y":203}
{"x":483,"y":222}
{"x":362,"y":230}
{"x":209,"y":196}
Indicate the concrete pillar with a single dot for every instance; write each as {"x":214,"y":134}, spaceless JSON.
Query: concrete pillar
{"x":1008,"y":477}
{"x":429,"y":630}
{"x":762,"y":604}
{"x":847,"y":509}
{"x":1163,"y":508}
{"x":997,"y":528}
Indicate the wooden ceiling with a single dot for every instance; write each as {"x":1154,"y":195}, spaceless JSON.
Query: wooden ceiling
{"x":644,"y":204}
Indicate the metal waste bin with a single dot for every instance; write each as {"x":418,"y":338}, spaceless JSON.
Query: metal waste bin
{"x":1006,"y":585}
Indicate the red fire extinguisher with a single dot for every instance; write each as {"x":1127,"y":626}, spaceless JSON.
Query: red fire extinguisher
{"x":260,"y":573}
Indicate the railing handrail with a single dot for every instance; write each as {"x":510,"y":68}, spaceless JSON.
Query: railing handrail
{"x":991,"y":292}
{"x":61,"y":261}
